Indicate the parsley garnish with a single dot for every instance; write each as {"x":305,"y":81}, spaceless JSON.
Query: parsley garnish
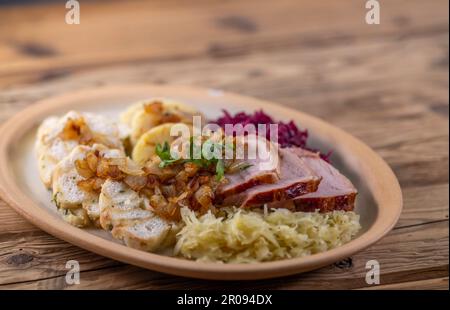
{"x":220,"y":169}
{"x":163,"y":151}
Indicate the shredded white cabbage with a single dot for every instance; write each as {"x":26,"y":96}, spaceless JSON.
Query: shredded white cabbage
{"x":244,"y":236}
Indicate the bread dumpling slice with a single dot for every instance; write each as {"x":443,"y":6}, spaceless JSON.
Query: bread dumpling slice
{"x":145,"y":147}
{"x":145,"y":115}
{"x":58,"y":136}
{"x":76,"y":217}
{"x":129,"y":217}
{"x":50,"y":149}
{"x":78,"y":206}
{"x":148,"y":234}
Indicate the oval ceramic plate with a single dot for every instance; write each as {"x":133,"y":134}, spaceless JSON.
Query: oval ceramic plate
{"x":379,"y":201}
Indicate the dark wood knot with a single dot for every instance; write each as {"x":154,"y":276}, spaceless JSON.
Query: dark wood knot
{"x":20,"y":259}
{"x":345,"y":263}
{"x":239,"y":23}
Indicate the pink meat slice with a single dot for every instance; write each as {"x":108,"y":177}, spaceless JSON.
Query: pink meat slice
{"x":250,"y":177}
{"x":259,"y":170}
{"x":335,"y":191}
{"x":296,"y":179}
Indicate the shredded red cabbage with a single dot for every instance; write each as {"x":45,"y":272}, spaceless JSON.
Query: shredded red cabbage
{"x":288,"y":133}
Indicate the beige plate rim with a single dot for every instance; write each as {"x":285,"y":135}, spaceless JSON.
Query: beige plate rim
{"x":379,"y":177}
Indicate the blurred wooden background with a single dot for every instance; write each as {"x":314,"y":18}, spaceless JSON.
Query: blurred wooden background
{"x":386,"y":84}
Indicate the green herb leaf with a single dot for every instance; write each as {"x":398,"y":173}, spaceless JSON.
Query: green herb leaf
{"x":165,"y":163}
{"x":220,"y":169}
{"x":163,"y":152}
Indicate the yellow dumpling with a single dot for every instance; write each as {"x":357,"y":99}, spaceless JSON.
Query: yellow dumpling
{"x":145,"y":115}
{"x":146,"y":145}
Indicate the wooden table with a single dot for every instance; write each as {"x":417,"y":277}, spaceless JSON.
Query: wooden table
{"x":387,"y":84}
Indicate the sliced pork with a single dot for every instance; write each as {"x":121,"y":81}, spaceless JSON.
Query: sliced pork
{"x":335,"y":191}
{"x":296,"y":179}
{"x":257,"y":171}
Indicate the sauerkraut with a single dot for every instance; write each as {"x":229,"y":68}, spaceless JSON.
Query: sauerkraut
{"x":245,"y":236}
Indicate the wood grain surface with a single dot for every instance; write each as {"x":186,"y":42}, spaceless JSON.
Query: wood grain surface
{"x":386,"y":84}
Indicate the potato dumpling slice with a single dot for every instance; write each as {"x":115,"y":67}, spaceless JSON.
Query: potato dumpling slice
{"x":75,"y":217}
{"x":145,"y":115}
{"x":146,"y":146}
{"x":131,"y":219}
{"x":77,"y":206}
{"x":58,"y":136}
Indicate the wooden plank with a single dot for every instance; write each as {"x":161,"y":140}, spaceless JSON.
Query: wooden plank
{"x":420,"y":210}
{"x":41,"y":41}
{"x":431,"y":284}
{"x":308,"y":81}
{"x":34,"y":255}
{"x":13,"y":222}
{"x":398,"y":262}
{"x":413,"y":151}
{"x":418,"y":154}
{"x":377,"y":82}
{"x":424,"y":204}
